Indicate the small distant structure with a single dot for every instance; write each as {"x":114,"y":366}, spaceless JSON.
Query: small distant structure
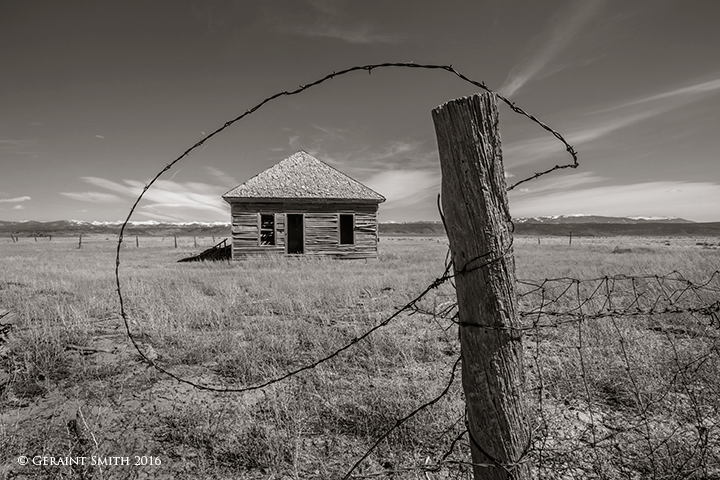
{"x":303,"y":206}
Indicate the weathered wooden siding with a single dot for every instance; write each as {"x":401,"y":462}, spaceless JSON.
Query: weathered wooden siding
{"x":322,"y":235}
{"x":246,"y":234}
{"x":322,"y":228}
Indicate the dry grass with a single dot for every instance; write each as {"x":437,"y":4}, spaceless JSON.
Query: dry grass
{"x":242,"y":323}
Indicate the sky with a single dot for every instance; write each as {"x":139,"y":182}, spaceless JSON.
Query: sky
{"x":97,"y":97}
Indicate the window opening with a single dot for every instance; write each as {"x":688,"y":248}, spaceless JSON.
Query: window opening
{"x":267,"y":229}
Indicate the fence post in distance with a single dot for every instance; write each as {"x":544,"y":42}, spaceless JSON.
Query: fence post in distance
{"x":477,"y":219}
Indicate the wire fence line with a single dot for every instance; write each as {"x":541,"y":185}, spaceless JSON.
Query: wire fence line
{"x":662,"y":410}
{"x":579,"y":339}
{"x":667,"y":414}
{"x":564,"y":300}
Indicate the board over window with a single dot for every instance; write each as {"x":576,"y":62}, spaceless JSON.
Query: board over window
{"x":347,"y":229}
{"x":267,"y":229}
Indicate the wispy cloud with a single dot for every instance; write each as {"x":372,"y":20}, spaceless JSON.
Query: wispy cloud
{"x":317,"y":143}
{"x":19,"y":207}
{"x":15,"y":200}
{"x":172,"y":200}
{"x":221,"y":177}
{"x":533,"y":149}
{"x":411,"y":194}
{"x":332,"y":132}
{"x":358,"y":34}
{"x":27,"y":148}
{"x":571,"y":181}
{"x":112,"y":186}
{"x":550,"y":44}
{"x":601,"y":123}
{"x":327,"y":19}
{"x":9,"y":143}
{"x":95,"y":197}
{"x":401,"y":187}
{"x":683,"y":94}
{"x":399,"y":154}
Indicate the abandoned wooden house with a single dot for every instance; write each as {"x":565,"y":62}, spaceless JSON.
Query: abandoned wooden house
{"x":304,"y":206}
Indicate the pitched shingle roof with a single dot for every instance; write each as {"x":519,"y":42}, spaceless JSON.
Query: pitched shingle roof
{"x":303,"y":176}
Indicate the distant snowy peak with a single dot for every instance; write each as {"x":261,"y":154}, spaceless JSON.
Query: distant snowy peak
{"x":582,"y":218}
{"x":150,"y":223}
{"x":661,"y":219}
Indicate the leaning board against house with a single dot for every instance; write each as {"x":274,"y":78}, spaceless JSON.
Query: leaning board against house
{"x":303,"y":206}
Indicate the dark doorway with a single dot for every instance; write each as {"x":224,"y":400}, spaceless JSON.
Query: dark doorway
{"x":295,"y":234}
{"x":347,"y":229}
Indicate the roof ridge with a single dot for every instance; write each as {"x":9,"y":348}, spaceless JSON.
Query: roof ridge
{"x":301,"y":175}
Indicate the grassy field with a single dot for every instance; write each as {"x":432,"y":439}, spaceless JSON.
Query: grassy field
{"x":610,"y":397}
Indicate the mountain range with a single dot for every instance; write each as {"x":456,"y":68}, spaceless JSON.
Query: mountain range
{"x":76,"y":227}
{"x":575,"y":219}
{"x":581,"y":225}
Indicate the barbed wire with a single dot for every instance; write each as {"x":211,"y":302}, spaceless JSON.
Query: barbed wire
{"x":650,"y":295}
{"x":300,"y":89}
{"x":560,"y":305}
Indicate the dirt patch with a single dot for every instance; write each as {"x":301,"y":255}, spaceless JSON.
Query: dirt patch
{"x":124,"y":409}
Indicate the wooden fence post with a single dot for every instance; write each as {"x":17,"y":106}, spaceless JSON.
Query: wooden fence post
{"x":474,"y":202}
